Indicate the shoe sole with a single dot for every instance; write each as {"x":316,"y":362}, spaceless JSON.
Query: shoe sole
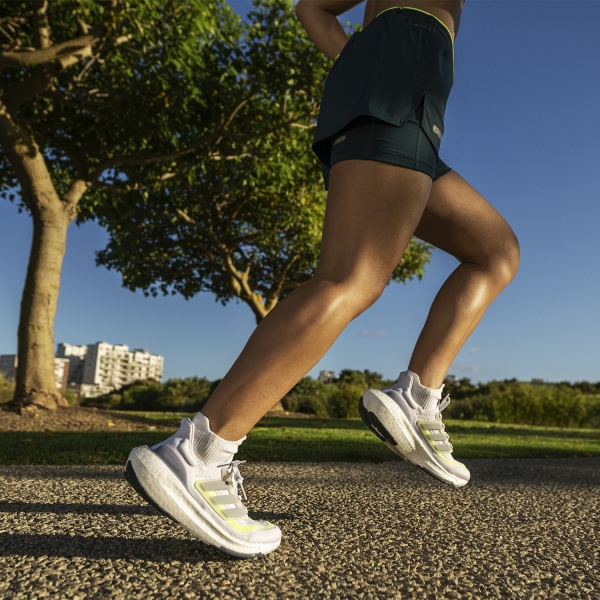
{"x":387,"y":421}
{"x":154,"y":481}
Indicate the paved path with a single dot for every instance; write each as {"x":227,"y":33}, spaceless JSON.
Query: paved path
{"x":521,"y":529}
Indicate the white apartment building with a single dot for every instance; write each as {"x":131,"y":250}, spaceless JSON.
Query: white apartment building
{"x":102,"y":368}
{"x":76,"y":357}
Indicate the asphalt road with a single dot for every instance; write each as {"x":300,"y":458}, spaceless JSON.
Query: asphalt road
{"x":520,"y":529}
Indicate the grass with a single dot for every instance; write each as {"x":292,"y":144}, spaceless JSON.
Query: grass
{"x":285,"y":439}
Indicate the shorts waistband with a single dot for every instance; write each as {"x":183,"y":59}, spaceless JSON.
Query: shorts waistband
{"x":431,"y":20}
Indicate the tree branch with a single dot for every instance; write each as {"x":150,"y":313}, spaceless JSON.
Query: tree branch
{"x":46,"y":53}
{"x":186,"y":217}
{"x":124,"y":189}
{"x":235,"y":111}
{"x":49,"y":60}
{"x":300,"y":126}
{"x":217,"y":156}
{"x":41,"y":33}
{"x":273,"y":295}
{"x":45,"y":56}
{"x":74,"y":195}
{"x":141,"y":161}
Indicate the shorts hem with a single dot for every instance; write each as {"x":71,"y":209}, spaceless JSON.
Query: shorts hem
{"x":393,"y":159}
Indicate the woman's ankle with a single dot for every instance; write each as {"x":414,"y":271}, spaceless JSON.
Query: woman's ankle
{"x":210,"y":447}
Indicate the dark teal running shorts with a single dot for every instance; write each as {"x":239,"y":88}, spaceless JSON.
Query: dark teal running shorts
{"x":385,"y":96}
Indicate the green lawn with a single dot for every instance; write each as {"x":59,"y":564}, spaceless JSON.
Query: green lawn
{"x":288,"y":439}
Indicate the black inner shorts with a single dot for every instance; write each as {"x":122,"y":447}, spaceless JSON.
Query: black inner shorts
{"x":370,"y":138}
{"x":386,"y":95}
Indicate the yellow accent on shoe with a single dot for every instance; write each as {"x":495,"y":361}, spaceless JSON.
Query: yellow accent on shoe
{"x":433,"y":445}
{"x":219,"y":508}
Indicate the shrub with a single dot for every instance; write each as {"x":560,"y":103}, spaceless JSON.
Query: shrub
{"x":173,"y":395}
{"x":474,"y":408}
{"x":70,"y":397}
{"x":526,"y":404}
{"x":344,"y":400}
{"x":309,"y":396}
{"x":7,"y":390}
{"x":592,"y":418}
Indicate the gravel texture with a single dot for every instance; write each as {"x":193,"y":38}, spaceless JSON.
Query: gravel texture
{"x":520,"y":529}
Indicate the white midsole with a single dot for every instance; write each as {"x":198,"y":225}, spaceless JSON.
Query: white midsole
{"x":164,"y":487}
{"x":410,"y":443}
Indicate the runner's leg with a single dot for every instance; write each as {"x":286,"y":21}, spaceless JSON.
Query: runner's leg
{"x":372,"y":211}
{"x":460,"y":221}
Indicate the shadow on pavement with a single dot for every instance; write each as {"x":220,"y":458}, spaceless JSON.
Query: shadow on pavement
{"x":61,"y":509}
{"x":98,"y":547}
{"x":111,"y":509}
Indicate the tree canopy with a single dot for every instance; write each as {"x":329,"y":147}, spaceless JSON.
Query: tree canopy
{"x":184,"y":130}
{"x":243,"y":220}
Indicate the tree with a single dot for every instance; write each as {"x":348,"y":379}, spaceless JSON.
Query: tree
{"x":110,"y":106}
{"x":243,"y":222}
{"x":97,"y":98}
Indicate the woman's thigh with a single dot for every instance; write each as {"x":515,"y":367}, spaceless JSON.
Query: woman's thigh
{"x":460,"y":221}
{"x":372,"y":211}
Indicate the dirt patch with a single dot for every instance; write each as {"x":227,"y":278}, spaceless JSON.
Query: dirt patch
{"x":77,"y":418}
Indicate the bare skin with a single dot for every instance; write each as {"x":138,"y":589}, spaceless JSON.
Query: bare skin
{"x":373,"y":209}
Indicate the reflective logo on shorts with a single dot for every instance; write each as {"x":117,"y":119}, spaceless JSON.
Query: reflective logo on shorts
{"x":437,"y":131}
{"x":340,"y":139}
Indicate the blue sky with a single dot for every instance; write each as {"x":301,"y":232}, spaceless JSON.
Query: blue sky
{"x":522,"y":127}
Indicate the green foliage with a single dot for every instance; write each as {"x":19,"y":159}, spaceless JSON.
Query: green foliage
{"x":509,"y":401}
{"x":72,"y":399}
{"x":136,"y":96}
{"x":188,"y":394}
{"x":512,"y":401}
{"x":7,"y":390}
{"x":338,"y":399}
{"x":309,"y":396}
{"x":192,"y":131}
{"x":242,"y":216}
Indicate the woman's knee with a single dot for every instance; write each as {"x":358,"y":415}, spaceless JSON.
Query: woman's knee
{"x":504,"y":261}
{"x":356,"y":292}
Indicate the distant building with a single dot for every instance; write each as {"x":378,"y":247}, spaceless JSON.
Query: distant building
{"x":102,"y":368}
{"x":537,"y":381}
{"x":76,"y":357}
{"x":8,"y":365}
{"x":326,"y":376}
{"x":8,"y":368}
{"x":61,"y":372}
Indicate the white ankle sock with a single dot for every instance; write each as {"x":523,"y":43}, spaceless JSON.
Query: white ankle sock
{"x":210,"y":448}
{"x":426,"y":398}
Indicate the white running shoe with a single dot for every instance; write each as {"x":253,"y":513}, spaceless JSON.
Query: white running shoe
{"x":418,"y":436}
{"x":203,"y":499}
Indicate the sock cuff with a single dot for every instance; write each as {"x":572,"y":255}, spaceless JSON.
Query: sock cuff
{"x":209,"y":447}
{"x":426,"y":397}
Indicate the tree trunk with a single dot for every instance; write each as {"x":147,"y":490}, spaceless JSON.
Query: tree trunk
{"x":35,"y":382}
{"x":35,"y":371}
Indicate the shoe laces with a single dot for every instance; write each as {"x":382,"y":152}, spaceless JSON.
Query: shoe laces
{"x":442,"y":404}
{"x":236,"y":476}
